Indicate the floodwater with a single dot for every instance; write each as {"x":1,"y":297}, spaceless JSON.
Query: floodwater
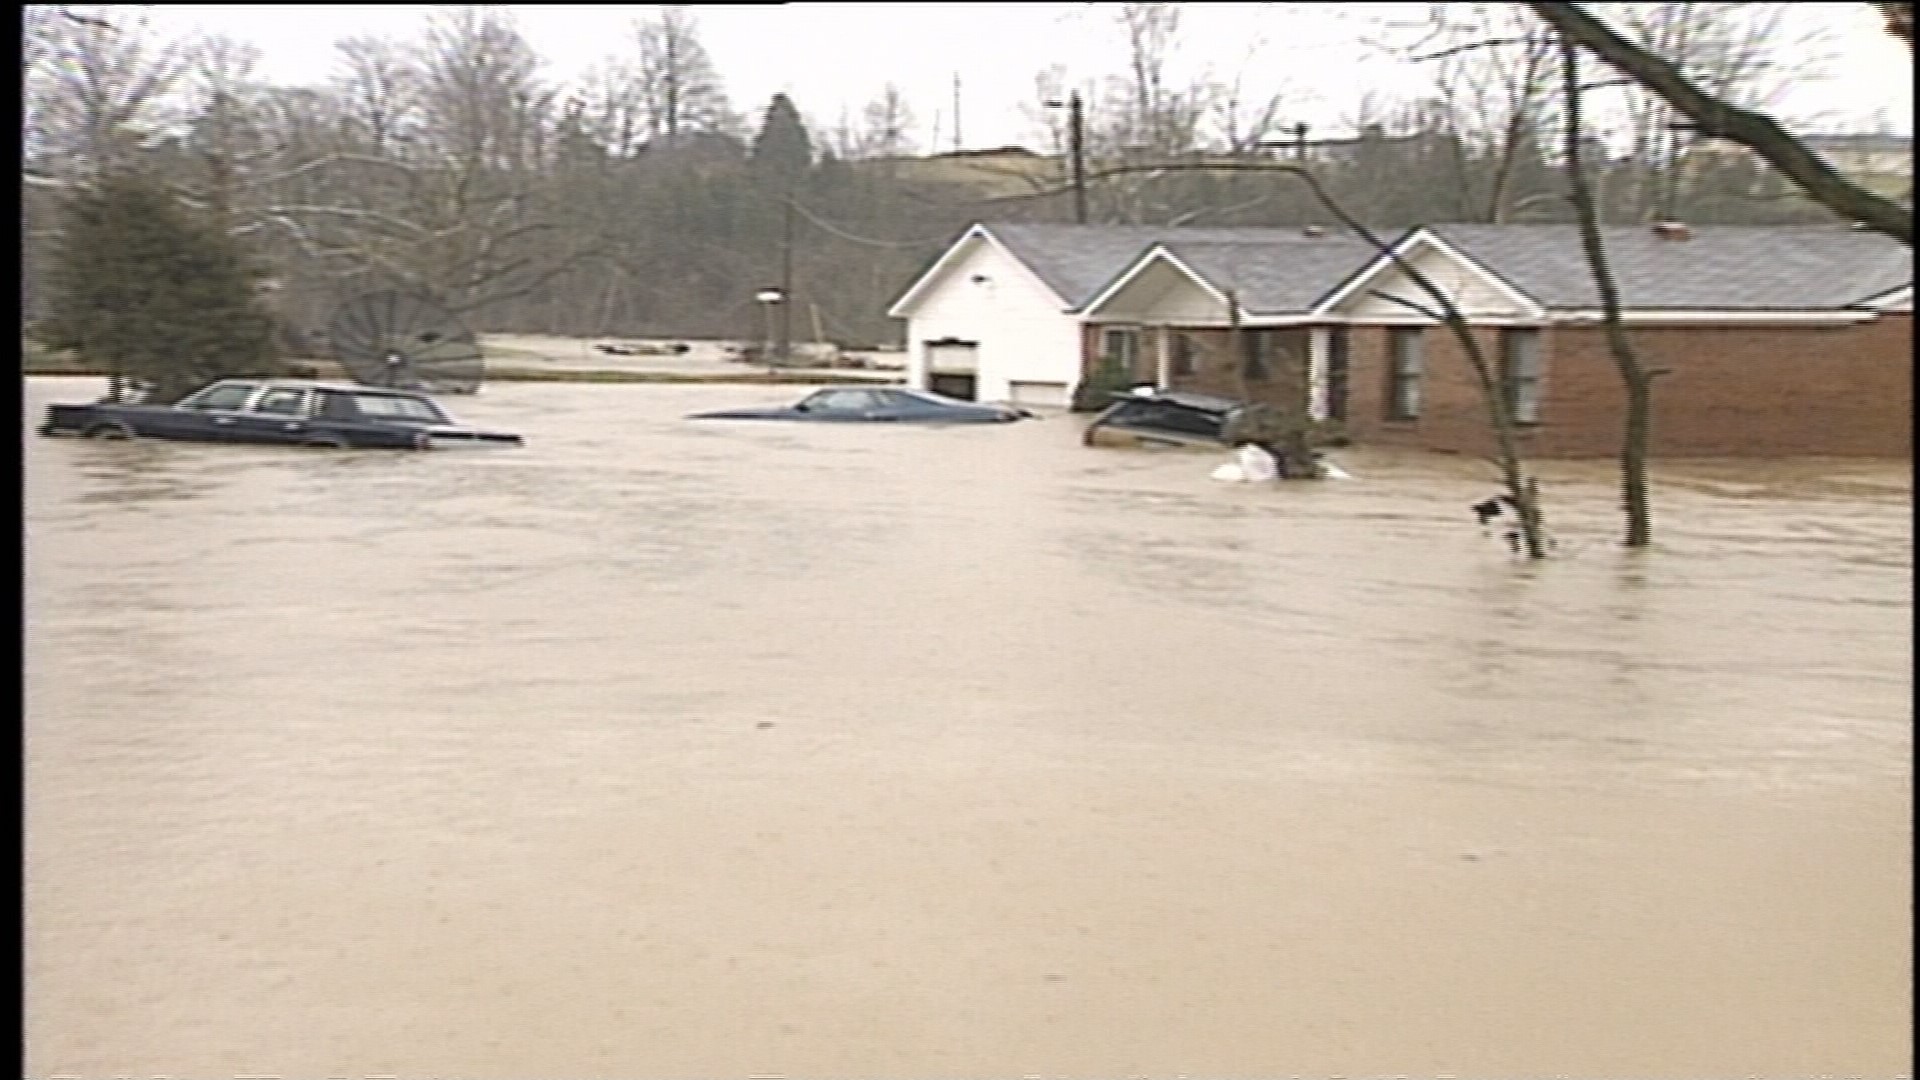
{"x":717,"y":748}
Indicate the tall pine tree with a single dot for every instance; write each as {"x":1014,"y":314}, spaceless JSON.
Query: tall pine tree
{"x":782,"y":151}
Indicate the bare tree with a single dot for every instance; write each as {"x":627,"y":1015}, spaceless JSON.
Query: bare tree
{"x":1143,"y":116}
{"x":378,"y":87}
{"x":95,"y":90}
{"x":1717,"y":117}
{"x":481,"y":94}
{"x":455,"y":207}
{"x":1046,"y":109}
{"x":679,"y":89}
{"x":1493,"y":80}
{"x":1156,"y":117}
{"x":1240,"y":123}
{"x":888,"y":129}
{"x":1637,"y":379}
{"x":1736,"y":52}
{"x":613,"y":108}
{"x":226,"y":132}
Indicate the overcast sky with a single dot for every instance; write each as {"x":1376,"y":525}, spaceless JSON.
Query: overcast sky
{"x":834,"y":57}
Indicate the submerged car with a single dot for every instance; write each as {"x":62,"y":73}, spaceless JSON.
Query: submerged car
{"x":1170,"y":416}
{"x":877,"y":404}
{"x":287,"y":412}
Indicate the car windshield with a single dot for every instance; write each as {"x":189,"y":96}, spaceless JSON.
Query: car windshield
{"x":399,"y":407}
{"x":841,"y":401}
{"x":220,"y":396}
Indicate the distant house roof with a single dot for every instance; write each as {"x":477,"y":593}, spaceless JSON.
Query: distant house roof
{"x":1717,"y":268}
{"x":1860,"y":144}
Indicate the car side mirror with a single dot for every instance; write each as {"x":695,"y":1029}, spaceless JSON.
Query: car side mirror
{"x":802,"y":407}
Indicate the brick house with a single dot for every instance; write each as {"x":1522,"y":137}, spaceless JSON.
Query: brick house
{"x":1776,"y":340}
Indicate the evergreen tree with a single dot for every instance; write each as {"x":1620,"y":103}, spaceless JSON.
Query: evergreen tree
{"x":142,"y":289}
{"x":782,"y":151}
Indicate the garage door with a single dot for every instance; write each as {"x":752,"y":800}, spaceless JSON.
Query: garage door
{"x":953,"y":385}
{"x":1045,"y":395}
{"x":953,"y":357}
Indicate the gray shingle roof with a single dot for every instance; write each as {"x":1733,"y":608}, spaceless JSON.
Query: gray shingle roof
{"x":1285,"y":274}
{"x":1718,"y":268}
{"x":1284,"y":270}
{"x":1078,"y":261}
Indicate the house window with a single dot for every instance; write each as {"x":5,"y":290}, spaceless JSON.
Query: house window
{"x":1520,"y":374}
{"x":1339,"y":368}
{"x":1120,"y":347}
{"x":1182,"y":360}
{"x":1406,"y":368}
{"x":1256,"y":363}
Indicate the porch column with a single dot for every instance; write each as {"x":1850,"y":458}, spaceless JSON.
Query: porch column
{"x":1317,"y":350}
{"x":1163,"y":357}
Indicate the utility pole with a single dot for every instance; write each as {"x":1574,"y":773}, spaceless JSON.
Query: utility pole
{"x":956,"y":112}
{"x":1076,"y":152}
{"x":785,"y":353}
{"x":1076,"y":124}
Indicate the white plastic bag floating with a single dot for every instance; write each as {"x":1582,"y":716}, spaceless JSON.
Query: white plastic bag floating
{"x":1251,"y":465}
{"x":1257,"y":465}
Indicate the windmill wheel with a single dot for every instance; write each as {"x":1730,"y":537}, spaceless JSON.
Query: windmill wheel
{"x":406,"y":340}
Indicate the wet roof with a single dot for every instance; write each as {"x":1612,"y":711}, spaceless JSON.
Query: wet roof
{"x":1283,"y":270}
{"x":1079,"y":261}
{"x":1718,"y":267}
{"x":1280,"y":275}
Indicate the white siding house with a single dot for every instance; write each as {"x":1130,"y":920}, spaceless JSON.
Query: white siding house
{"x":982,"y":324}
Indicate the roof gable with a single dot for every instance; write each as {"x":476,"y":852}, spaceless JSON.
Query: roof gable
{"x":1141,"y":268}
{"x":1497,"y":290}
{"x":953,"y":256}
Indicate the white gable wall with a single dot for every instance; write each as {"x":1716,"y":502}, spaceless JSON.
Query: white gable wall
{"x":1471,"y":292}
{"x":1161,"y":293}
{"x":1022,"y":333}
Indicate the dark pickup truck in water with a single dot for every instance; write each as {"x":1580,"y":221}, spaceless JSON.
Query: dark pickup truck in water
{"x":285,"y":412}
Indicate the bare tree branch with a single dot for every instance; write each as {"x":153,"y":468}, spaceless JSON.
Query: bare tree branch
{"x":1716,"y":118}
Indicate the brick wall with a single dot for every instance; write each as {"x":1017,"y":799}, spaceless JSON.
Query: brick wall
{"x":1754,"y":391}
{"x":1452,"y":417}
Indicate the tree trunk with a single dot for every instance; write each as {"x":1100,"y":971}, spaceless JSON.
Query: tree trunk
{"x":1637,"y":380}
{"x":1633,"y":461}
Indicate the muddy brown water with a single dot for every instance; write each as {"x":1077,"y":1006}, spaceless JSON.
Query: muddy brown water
{"x":674,"y":748}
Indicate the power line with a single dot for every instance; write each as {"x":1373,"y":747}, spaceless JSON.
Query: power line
{"x":851,"y":238}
